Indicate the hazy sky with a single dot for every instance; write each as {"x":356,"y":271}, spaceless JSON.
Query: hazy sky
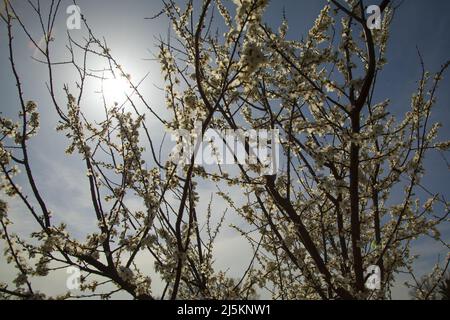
{"x":417,"y":24}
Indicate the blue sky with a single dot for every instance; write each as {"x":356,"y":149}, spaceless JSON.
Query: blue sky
{"x":417,"y":24}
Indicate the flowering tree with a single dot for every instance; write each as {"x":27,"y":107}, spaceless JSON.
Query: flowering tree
{"x":315,"y":226}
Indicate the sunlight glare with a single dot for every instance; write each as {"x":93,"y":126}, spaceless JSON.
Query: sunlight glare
{"x":115,"y":90}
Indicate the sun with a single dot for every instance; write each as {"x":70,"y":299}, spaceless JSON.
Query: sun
{"x":116,"y":89}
